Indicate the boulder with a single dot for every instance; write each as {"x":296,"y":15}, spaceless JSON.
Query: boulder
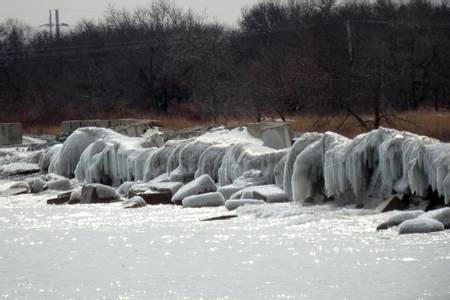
{"x":171,"y":187}
{"x":399,"y":217}
{"x":268,"y":193}
{"x":16,"y":189}
{"x":200,"y":185}
{"x":75,"y":196}
{"x":420,"y":225}
{"x":98,"y":193}
{"x":204,"y":200}
{"x":234,"y":204}
{"x":135,"y":202}
{"x":228,"y":190}
{"x":125,"y":187}
{"x":59,"y":185}
{"x":395,"y":202}
{"x":442,"y":215}
{"x":61,"y":199}
{"x":156,"y":198}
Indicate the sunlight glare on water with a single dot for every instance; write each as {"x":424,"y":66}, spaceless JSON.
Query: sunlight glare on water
{"x":282,"y":251}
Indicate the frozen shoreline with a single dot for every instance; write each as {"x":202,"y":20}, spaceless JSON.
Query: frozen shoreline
{"x":272,"y":251}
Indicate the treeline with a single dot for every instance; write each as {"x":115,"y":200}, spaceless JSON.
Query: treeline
{"x":284,"y":58}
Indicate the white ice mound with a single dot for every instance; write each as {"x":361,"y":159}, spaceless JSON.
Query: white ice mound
{"x":375,"y":164}
{"x":244,"y":157}
{"x":204,"y":200}
{"x":188,"y":159}
{"x":211,"y":160}
{"x":442,"y":215}
{"x":48,"y":156}
{"x":268,"y":193}
{"x":236,"y":203}
{"x":310,"y":167}
{"x":399,"y":217}
{"x":420,"y":225}
{"x":201,"y":185}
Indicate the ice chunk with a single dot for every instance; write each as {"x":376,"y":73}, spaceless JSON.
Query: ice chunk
{"x":244,"y":157}
{"x":200,"y":185}
{"x":234,"y":204}
{"x":135,"y":202}
{"x":171,"y":187}
{"x":420,"y":225}
{"x":204,"y":200}
{"x":300,"y":144}
{"x":268,"y":193}
{"x":399,"y":217}
{"x":48,"y":155}
{"x":442,"y":215}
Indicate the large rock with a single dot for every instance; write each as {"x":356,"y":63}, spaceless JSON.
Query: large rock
{"x":98,"y":193}
{"x":398,"y":218}
{"x":200,"y":185}
{"x":62,"y":184}
{"x":268,"y":193}
{"x":171,"y":187}
{"x":228,"y":190}
{"x":420,"y":225}
{"x":156,"y":198}
{"x":395,"y":202}
{"x":204,"y":200}
{"x":234,"y":204}
{"x":442,"y":215}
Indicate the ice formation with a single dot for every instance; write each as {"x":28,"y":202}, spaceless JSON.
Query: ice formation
{"x":236,"y":203}
{"x":420,"y":225}
{"x":373,"y":165}
{"x":204,"y":200}
{"x":201,"y":185}
{"x":399,"y":217}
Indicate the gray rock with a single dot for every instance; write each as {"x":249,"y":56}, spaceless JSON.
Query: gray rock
{"x":98,"y":193}
{"x":420,"y":225}
{"x":442,"y":215}
{"x":398,"y":218}
{"x":204,"y":200}
{"x":200,"y":185}
{"x":135,"y":202}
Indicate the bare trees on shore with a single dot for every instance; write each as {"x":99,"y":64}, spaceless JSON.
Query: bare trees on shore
{"x":363,"y":59}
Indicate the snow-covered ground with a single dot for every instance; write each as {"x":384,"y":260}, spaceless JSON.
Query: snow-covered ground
{"x":276,"y":251}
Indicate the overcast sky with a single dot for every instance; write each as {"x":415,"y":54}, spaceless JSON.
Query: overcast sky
{"x":35,"y":12}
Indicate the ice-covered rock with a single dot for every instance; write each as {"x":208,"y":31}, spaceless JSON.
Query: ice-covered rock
{"x":125,"y":187}
{"x":236,"y":203}
{"x":268,"y":193}
{"x":63,"y":184}
{"x":399,"y":217}
{"x":310,"y":168}
{"x":171,"y":187}
{"x":135,"y":202}
{"x":211,"y":160}
{"x":19,"y":168}
{"x":37,"y":185}
{"x":156,"y":164}
{"x":98,"y":193}
{"x":420,"y":225}
{"x":299,"y":146}
{"x":75,"y":196}
{"x":204,"y":200}
{"x":48,"y":155}
{"x":245,"y":157}
{"x":188,"y":160}
{"x":200,"y":185}
{"x":228,"y":190}
{"x":442,"y":215}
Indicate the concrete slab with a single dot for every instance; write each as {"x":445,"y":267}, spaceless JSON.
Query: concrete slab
{"x":276,"y":136}
{"x":10,"y":133}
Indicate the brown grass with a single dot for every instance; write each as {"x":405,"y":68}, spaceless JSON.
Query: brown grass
{"x":425,"y":122}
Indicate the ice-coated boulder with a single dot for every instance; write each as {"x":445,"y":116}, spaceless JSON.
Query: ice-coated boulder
{"x":399,"y":217}
{"x":300,"y":144}
{"x":211,"y":160}
{"x":228,"y":190}
{"x":268,"y":193}
{"x":125,"y":187}
{"x":200,"y":185}
{"x":188,"y":160}
{"x":236,"y":203}
{"x":48,"y":156}
{"x":75,"y":196}
{"x":442,"y":215}
{"x":204,"y":200}
{"x":62,"y":184}
{"x":135,"y":202}
{"x":420,"y":225}
{"x":98,"y":193}
{"x":37,"y":185}
{"x":171,"y":187}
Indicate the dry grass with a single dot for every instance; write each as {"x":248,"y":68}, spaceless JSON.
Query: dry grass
{"x":424,"y":122}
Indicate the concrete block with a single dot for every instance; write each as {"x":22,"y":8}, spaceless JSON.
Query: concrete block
{"x":276,"y":136}
{"x":10,"y":133}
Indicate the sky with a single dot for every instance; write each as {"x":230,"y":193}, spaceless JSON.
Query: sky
{"x":35,"y":12}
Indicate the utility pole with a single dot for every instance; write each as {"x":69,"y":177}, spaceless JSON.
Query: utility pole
{"x":58,"y":30}
{"x":50,"y":23}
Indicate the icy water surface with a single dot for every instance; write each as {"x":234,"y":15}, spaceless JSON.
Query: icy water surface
{"x":165,"y":252}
